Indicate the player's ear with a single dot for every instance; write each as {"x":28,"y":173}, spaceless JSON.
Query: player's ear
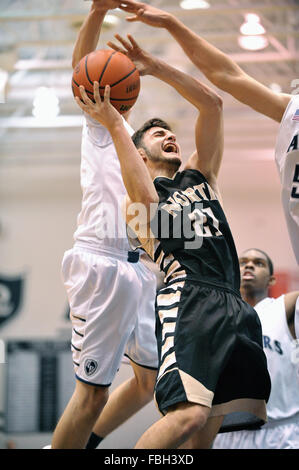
{"x":142,"y":153}
{"x":272,"y":281}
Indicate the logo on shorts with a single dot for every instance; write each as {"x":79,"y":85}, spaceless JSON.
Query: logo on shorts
{"x":90,"y":366}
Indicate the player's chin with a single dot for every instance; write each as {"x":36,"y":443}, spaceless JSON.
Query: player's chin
{"x":247,"y":282}
{"x":174,"y":158}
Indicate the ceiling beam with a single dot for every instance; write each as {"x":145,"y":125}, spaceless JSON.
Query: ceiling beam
{"x":80,"y":15}
{"x":211,"y":37}
{"x":240,"y":58}
{"x":256,"y":57}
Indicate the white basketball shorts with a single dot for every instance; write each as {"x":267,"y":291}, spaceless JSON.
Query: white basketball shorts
{"x":112,"y":312}
{"x":280,"y":434}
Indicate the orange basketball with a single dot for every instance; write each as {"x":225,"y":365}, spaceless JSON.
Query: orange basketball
{"x":112,"y":68}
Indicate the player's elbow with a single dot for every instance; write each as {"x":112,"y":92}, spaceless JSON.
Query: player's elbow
{"x":217,"y":103}
{"x":213,"y":104}
{"x":218,"y":78}
{"x":229,"y":81}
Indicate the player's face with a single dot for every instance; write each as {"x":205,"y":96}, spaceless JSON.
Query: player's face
{"x":254,"y":270}
{"x":161,"y":146}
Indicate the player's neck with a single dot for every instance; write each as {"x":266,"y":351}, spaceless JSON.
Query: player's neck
{"x":253,"y":297}
{"x":162,"y":170}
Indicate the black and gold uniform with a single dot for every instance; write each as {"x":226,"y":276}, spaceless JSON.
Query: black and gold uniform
{"x":209,"y":339}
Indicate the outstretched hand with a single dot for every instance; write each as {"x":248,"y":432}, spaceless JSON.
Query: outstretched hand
{"x":106,"y":4}
{"x":145,"y":13}
{"x":100,"y":110}
{"x":143,"y":61}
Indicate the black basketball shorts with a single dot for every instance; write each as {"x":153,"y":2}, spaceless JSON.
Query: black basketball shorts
{"x":211,"y":353}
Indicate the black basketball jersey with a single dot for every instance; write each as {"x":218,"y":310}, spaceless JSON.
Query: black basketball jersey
{"x":193,"y":238}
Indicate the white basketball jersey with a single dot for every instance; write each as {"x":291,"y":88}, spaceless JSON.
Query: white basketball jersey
{"x":100,"y":224}
{"x":287,"y":160}
{"x":280,"y":349}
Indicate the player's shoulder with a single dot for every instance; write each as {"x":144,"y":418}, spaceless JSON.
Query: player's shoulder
{"x":291,"y":298}
{"x":285,"y":102}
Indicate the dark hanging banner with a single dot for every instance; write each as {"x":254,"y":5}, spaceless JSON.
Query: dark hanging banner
{"x":11,"y":296}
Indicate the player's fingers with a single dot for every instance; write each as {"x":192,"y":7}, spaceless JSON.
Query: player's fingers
{"x":115,"y":47}
{"x":131,"y":19}
{"x":83,"y":93}
{"x":136,"y":17}
{"x":132,"y":6}
{"x":127,"y":5}
{"x":125,"y":43}
{"x":96,"y":92}
{"x":107,"y":94}
{"x":133,"y":42}
{"x":80,"y":103}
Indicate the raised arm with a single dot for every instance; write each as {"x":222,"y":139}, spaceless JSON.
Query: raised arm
{"x":208,"y":128}
{"x":136,"y":177}
{"x":89,"y":33}
{"x":218,"y":67}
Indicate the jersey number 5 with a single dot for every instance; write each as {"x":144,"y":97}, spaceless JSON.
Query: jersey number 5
{"x":295,"y":188}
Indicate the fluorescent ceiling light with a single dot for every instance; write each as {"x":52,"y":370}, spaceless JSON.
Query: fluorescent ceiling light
{"x":193,"y":4}
{"x":253,"y":43}
{"x":252,"y":25}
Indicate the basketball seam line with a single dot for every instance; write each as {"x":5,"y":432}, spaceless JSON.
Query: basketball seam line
{"x":103,"y":71}
{"x":111,"y":99}
{"x":105,"y":66}
{"x":78,"y":85}
{"x":86,"y":71}
{"x":124,"y":99}
{"x":123,"y":78}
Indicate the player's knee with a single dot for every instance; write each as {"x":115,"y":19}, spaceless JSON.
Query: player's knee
{"x":192,"y":418}
{"x":196,"y":421}
{"x":96,"y":400}
{"x":92,"y":399}
{"x":146,"y":384}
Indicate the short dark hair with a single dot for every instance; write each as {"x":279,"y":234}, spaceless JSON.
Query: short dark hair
{"x":154,"y":122}
{"x":269,"y":261}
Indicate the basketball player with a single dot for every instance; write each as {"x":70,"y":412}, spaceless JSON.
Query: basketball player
{"x":111,"y":294}
{"x":277,"y":319}
{"x":205,"y":332}
{"x":223,"y":72}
